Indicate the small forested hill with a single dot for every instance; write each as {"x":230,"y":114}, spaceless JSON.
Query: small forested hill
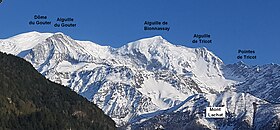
{"x":29,"y":101}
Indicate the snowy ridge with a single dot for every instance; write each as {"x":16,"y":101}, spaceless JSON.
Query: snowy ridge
{"x":22,"y":42}
{"x":151,"y":83}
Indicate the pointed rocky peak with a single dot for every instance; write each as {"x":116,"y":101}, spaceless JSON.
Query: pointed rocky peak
{"x":146,"y":44}
{"x":62,"y":41}
{"x":156,"y":40}
{"x":208,"y":55}
{"x":59,"y":36}
{"x":241,"y":64}
{"x":151,"y":41}
{"x":236,"y":65}
{"x":151,"y":38}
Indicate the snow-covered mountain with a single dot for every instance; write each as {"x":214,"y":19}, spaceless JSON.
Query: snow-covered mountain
{"x":151,"y":83}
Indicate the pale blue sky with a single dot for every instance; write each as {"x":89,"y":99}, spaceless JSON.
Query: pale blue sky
{"x":232,"y":24}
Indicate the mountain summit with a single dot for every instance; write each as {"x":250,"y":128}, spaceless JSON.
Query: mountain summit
{"x":152,"y":83}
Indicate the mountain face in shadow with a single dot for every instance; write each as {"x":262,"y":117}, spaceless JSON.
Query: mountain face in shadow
{"x":29,"y":101}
